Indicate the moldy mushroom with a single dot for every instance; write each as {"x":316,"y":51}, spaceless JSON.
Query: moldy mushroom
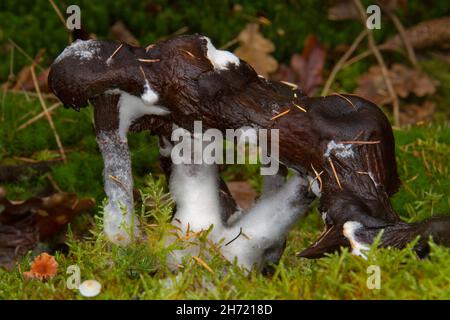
{"x":343,"y":143}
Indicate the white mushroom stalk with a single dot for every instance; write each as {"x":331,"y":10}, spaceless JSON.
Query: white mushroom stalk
{"x":119,"y":221}
{"x":253,"y":238}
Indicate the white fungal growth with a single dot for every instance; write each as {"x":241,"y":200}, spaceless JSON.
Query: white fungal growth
{"x":323,"y":215}
{"x":349,"y":229}
{"x":132,"y":108}
{"x":220,"y":59}
{"x":149,"y":96}
{"x":372,"y":177}
{"x":196,"y":193}
{"x":338,"y":149}
{"x":314,"y":185}
{"x":119,"y":222}
{"x":165,"y":148}
{"x":267,"y":224}
{"x":84,"y":50}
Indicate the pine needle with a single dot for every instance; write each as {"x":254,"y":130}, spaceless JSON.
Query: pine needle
{"x":114,"y":53}
{"x":116,"y":180}
{"x":317,"y":177}
{"x":149,"y":60}
{"x":149,"y":47}
{"x":290,"y":84}
{"x":188,"y":53}
{"x":360,"y":142}
{"x":298,"y":107}
{"x":335,"y":173}
{"x":345,"y":98}
{"x":280,"y":114}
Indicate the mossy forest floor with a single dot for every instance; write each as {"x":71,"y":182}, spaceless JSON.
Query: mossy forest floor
{"x":140,"y":271}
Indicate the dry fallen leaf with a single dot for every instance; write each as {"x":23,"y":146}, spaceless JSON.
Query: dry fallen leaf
{"x":345,"y":9}
{"x":406,"y":81}
{"x":243,"y":193}
{"x":43,"y":267}
{"x":24,"y":223}
{"x":427,"y":34}
{"x":416,"y":114}
{"x":16,"y":239}
{"x":255,"y":49}
{"x":306,"y":69}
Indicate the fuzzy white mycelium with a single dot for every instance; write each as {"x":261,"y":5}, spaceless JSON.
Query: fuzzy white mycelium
{"x":339,"y":149}
{"x":246,"y":237}
{"x":119,"y":221}
{"x":84,"y":50}
{"x":349,"y":229}
{"x":220,"y":59}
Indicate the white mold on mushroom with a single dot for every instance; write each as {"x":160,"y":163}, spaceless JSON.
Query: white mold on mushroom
{"x":266,"y":225}
{"x":149,"y":96}
{"x":196,"y":193}
{"x":118,"y":222}
{"x":132,"y":108}
{"x":314,"y":185}
{"x":220,"y":59}
{"x":349,"y":229}
{"x":339,"y":149}
{"x":84,"y":50}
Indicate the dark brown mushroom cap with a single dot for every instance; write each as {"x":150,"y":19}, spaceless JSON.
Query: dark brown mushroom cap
{"x":89,"y":68}
{"x":82,"y":71}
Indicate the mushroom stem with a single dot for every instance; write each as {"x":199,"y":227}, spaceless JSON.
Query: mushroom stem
{"x":119,"y":222}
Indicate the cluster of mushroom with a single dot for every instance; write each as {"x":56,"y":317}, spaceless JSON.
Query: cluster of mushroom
{"x":341,"y":145}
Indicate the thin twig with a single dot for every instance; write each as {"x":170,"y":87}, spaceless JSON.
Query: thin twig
{"x":402,"y":33}
{"x":26,"y":55}
{"x":32,"y":94}
{"x":53,"y":182}
{"x":229,"y":43}
{"x":239,"y":234}
{"x":39,"y":116}
{"x":373,"y":47}
{"x":11,"y":64}
{"x":47,"y":114}
{"x":341,"y":62}
{"x":58,"y":12}
{"x":357,"y":58}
